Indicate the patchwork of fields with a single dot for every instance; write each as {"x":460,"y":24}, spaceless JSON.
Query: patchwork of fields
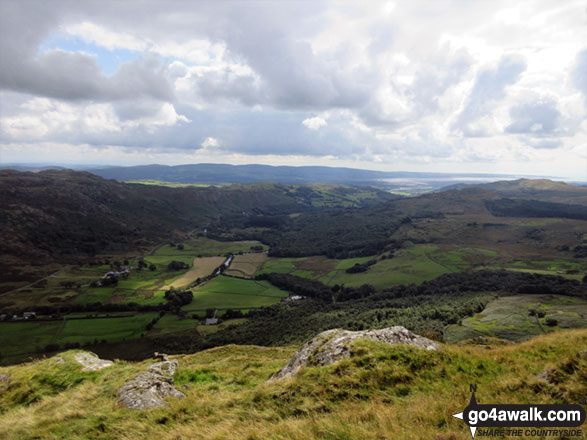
{"x":238,"y":290}
{"x":412,"y":265}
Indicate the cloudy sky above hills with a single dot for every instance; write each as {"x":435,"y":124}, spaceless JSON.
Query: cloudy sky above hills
{"x":454,"y":86}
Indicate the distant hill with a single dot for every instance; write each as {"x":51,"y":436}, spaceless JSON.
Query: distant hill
{"x":221,"y":173}
{"x":533,"y":189}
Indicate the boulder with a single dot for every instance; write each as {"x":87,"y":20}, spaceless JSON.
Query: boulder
{"x":333,"y":345}
{"x":165,"y":368}
{"x":91,"y":362}
{"x":4,"y":381}
{"x":147,"y":389}
{"x":160,"y":356}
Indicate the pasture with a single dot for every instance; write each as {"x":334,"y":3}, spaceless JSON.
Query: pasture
{"x":202,"y":246}
{"x":20,"y":339}
{"x":224,"y":292}
{"x":246,"y":265}
{"x":169,"y":324}
{"x":201,"y":267}
{"x":520,"y":317}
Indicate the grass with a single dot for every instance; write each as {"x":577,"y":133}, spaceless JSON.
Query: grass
{"x":380,"y":392}
{"x":21,"y":339}
{"x":207,"y":247}
{"x":224,"y":292}
{"x":169,"y":324}
{"x":246,"y":265}
{"x":509,"y":317}
{"x":201,"y":267}
{"x":173,"y":184}
{"x":209,"y":329}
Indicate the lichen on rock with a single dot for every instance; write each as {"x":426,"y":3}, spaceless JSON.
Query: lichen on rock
{"x":147,"y":389}
{"x":333,"y":345}
{"x":91,"y":362}
{"x":4,"y":381}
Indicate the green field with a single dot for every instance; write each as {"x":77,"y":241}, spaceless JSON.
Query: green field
{"x":207,"y":247}
{"x":209,"y":329}
{"x":226,"y":292}
{"x":412,"y":265}
{"x":557,"y":267}
{"x":19,"y":339}
{"x":173,"y":184}
{"x":509,"y":318}
{"x":169,"y":323}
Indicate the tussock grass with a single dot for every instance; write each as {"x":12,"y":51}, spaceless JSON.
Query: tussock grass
{"x":380,"y":392}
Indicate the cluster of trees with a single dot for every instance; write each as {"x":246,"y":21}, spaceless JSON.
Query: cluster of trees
{"x":535,"y":208}
{"x":314,"y":289}
{"x":177,"y":265}
{"x":336,"y":233}
{"x":178,"y":298}
{"x":361,"y":267}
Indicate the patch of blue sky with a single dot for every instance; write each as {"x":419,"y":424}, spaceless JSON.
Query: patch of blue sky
{"x":107,"y":59}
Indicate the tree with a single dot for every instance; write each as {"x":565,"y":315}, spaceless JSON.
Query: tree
{"x":152,"y":267}
{"x":177,"y":265}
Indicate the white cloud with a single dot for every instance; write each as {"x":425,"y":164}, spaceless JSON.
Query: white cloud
{"x":314,"y":123}
{"x":210,"y":142}
{"x":101,"y":36}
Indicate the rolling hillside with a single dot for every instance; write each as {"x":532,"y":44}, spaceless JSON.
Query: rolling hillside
{"x":61,"y":216}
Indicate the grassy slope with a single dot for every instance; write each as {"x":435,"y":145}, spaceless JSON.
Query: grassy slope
{"x":509,"y":318}
{"x":381,"y":392}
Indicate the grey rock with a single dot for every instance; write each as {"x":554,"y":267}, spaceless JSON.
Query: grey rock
{"x":58,"y":360}
{"x":4,"y":381}
{"x":165,"y":368}
{"x":333,"y":345}
{"x":161,"y":356}
{"x":91,"y":362}
{"x":147,"y":389}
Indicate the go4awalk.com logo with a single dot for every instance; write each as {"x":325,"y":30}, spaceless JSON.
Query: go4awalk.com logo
{"x":522,"y":420}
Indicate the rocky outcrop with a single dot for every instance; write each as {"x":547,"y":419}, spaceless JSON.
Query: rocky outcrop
{"x":147,"y":389}
{"x":4,"y":381}
{"x":333,"y":345}
{"x":91,"y":362}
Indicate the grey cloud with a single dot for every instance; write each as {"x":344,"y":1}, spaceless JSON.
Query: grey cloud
{"x":76,"y":76}
{"x":538,"y":117}
{"x":489,"y":88}
{"x":66,"y":75}
{"x":434,"y":79}
{"x":229,"y":85}
{"x":431,"y":80}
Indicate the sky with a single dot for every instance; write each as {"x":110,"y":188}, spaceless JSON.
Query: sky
{"x":457,"y":86}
